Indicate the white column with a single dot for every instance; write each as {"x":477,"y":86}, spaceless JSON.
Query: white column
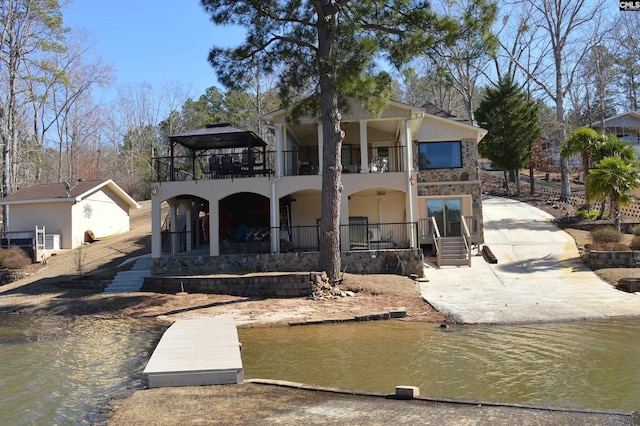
{"x":156,"y":224}
{"x":279,"y":141}
{"x":410,"y":189}
{"x":320,"y":149}
{"x":214,"y":228}
{"x":364,"y":154}
{"x":344,"y":220}
{"x":173,"y":226}
{"x":188,"y":209}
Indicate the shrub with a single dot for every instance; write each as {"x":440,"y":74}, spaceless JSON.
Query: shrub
{"x":608,"y":234}
{"x":609,"y":247}
{"x":635,"y":243}
{"x":588,"y":214}
{"x":13,"y":258}
{"x":635,"y":230}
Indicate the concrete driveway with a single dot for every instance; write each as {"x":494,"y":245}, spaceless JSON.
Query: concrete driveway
{"x":539,"y":276}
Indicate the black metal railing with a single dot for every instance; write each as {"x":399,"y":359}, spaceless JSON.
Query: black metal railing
{"x":183,"y":243}
{"x":243,"y":240}
{"x":380,"y":160}
{"x":215,"y":164}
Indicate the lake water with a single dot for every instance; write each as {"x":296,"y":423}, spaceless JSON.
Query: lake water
{"x":63,"y":370}
{"x":582,"y":364}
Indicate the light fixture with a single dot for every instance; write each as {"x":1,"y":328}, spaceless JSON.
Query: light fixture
{"x":154,"y":190}
{"x":413,"y":179}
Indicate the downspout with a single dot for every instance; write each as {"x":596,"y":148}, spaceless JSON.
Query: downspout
{"x":409,"y":164}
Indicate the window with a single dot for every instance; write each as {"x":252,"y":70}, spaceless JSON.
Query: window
{"x":440,"y":155}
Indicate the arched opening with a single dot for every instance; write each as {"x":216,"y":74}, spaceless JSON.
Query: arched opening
{"x":244,"y":224}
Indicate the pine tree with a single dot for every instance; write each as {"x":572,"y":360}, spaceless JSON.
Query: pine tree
{"x":325,"y":52}
{"x":511,"y":121}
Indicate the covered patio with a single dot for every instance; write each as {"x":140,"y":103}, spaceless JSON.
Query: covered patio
{"x":216,"y":151}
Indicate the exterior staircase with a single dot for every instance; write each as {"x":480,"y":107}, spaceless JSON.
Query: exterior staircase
{"x":452,"y":252}
{"x":132,"y":280}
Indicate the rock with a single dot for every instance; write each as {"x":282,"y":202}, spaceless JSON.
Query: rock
{"x":350,"y":293}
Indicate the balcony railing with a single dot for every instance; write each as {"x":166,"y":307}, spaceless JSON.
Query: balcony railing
{"x":377,"y":236}
{"x":231,"y":163}
{"x":218,"y":164}
{"x":380,"y":160}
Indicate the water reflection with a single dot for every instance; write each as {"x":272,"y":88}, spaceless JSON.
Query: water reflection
{"x":583,"y":364}
{"x":62,"y":370}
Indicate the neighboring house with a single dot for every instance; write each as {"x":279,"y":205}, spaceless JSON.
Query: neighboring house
{"x":625,"y":126}
{"x":71,"y":214}
{"x":403,"y":172}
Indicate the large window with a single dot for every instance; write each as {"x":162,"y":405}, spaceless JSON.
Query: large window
{"x":440,"y":155}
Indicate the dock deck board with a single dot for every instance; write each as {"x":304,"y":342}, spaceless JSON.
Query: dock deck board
{"x":199,"y":351}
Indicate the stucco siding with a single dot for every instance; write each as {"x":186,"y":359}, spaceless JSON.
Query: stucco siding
{"x":102,"y":213}
{"x":55,"y":217}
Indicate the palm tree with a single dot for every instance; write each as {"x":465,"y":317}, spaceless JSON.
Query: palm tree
{"x":614,"y":178}
{"x":587,"y":143}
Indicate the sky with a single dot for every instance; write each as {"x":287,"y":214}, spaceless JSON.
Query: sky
{"x":152,"y":41}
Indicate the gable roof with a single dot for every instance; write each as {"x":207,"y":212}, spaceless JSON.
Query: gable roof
{"x":630,"y":119}
{"x":57,"y":192}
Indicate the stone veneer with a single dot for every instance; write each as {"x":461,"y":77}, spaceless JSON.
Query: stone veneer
{"x":612,"y":259}
{"x":446,"y":182}
{"x":271,"y":285}
{"x":355,"y":262}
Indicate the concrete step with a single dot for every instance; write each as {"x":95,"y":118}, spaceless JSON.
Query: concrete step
{"x":132,"y":280}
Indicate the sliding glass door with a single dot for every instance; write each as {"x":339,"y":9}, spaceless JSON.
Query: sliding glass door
{"x":448,"y":216}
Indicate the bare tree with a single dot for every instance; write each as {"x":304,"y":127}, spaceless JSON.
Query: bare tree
{"x":625,"y":38}
{"x":562,"y":32}
{"x":30,"y":31}
{"x":466,"y":60}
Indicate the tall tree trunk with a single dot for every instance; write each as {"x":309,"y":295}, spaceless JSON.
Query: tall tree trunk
{"x":532,"y":181}
{"x":329,"y":259}
{"x":565,"y":185}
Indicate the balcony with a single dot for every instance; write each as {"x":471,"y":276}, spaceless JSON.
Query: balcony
{"x":234,"y":163}
{"x":215,"y":164}
{"x":383,"y":159}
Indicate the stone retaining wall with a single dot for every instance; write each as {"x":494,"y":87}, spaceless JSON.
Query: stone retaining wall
{"x":10,"y":275}
{"x":612,"y":259}
{"x":402,"y":262}
{"x":272,"y":285}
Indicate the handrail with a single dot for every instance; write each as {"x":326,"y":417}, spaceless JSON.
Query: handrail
{"x":436,"y":238}
{"x":466,"y":237}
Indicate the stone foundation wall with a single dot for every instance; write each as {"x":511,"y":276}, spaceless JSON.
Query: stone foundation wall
{"x":612,"y":259}
{"x":10,"y":275}
{"x":402,"y":262}
{"x":272,"y":285}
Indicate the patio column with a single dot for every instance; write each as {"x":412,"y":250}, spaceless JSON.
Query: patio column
{"x":156,"y":225}
{"x":173,"y":219}
{"x":320,"y":149}
{"x":364,"y":154}
{"x":344,"y":220}
{"x":188,"y":208}
{"x":214,"y":228}
{"x":279,"y":140}
{"x":408,"y":141}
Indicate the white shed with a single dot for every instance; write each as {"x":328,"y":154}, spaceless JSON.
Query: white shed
{"x":70,"y":213}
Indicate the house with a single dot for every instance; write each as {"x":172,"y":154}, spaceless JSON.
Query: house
{"x":410,"y":180}
{"x":625,"y":126}
{"x":70,"y":214}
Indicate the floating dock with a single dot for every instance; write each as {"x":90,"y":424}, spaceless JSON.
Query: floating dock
{"x":194,"y":352}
